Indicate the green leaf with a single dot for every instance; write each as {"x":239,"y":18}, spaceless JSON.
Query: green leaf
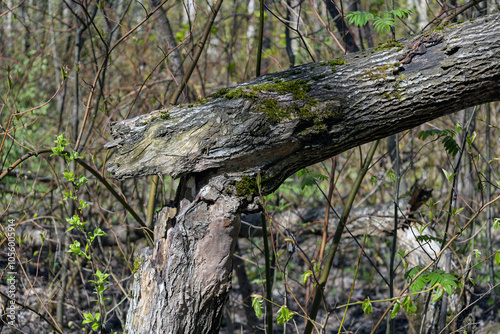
{"x":359,"y":18}
{"x":401,"y":13}
{"x":438,"y":295}
{"x":257,"y":305}
{"x":496,"y":224}
{"x":428,"y":238}
{"x":373,"y":180}
{"x":64,"y":72}
{"x":367,"y":306}
{"x":306,"y":275}
{"x":395,"y":310}
{"x":477,"y":252}
{"x":310,"y":178}
{"x":409,"y":305}
{"x":449,"y":142}
{"x":497,"y":258}
{"x":392,"y":175}
{"x":449,"y":177}
{"x":470,"y":140}
{"x":284,"y":315}
{"x":88,"y":318}
{"x":384,"y":21}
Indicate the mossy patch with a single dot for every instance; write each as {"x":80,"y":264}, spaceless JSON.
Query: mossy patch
{"x":220,"y":93}
{"x":318,"y":76}
{"x":397,"y":91}
{"x":333,"y":63}
{"x":164,"y":115}
{"x":293,"y":72}
{"x":137,"y":264}
{"x":382,"y":71}
{"x":389,"y":45}
{"x":248,"y":186}
{"x":298,"y":88}
{"x":336,"y":62}
{"x":200,"y":101}
{"x":303,"y":107}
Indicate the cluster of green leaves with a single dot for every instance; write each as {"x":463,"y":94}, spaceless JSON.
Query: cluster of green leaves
{"x":407,"y":304}
{"x":75,"y":247}
{"x":449,"y":142}
{"x":436,"y":279}
{"x":77,"y":180}
{"x":100,"y":288}
{"x":381,"y":21}
{"x":59,"y":150}
{"x":284,"y":313}
{"x":75,"y":222}
{"x":309,"y":178}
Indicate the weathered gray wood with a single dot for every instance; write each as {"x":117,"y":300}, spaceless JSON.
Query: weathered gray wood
{"x":183,"y":284}
{"x":371,"y":97}
{"x":219,"y":149}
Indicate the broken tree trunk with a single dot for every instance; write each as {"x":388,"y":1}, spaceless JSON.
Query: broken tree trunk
{"x":256,"y":134}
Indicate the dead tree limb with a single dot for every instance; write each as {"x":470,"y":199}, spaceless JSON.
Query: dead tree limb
{"x":260,"y":132}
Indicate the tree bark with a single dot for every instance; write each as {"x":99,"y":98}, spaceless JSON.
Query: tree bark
{"x":327,"y":110}
{"x":183,"y":284}
{"x":251,"y":137}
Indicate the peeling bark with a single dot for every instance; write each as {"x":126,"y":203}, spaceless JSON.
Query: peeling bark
{"x":183,"y":284}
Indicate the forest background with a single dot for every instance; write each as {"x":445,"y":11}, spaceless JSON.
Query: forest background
{"x":74,"y":68}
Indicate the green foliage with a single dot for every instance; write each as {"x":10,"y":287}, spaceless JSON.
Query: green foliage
{"x":100,"y":287}
{"x":409,"y":305}
{"x":75,"y":222}
{"x":391,"y":174}
{"x":395,"y":309}
{"x":306,"y":275}
{"x":449,"y":176}
{"x":367,"y":306}
{"x":454,"y":211}
{"x":257,"y":305}
{"x":448,"y":136}
{"x":384,"y":21}
{"x":284,"y":315}
{"x":381,"y":21}
{"x":359,"y":18}
{"x":428,"y":238}
{"x":94,"y":320}
{"x":310,"y":178}
{"x":437,"y":277}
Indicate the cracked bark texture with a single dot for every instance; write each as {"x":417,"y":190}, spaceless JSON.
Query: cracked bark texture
{"x":184,"y":282}
{"x":371,"y":97}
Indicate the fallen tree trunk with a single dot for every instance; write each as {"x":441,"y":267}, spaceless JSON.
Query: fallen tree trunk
{"x":254,"y":135}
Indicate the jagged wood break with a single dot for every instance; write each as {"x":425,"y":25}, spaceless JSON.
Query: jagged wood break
{"x":273,"y":126}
